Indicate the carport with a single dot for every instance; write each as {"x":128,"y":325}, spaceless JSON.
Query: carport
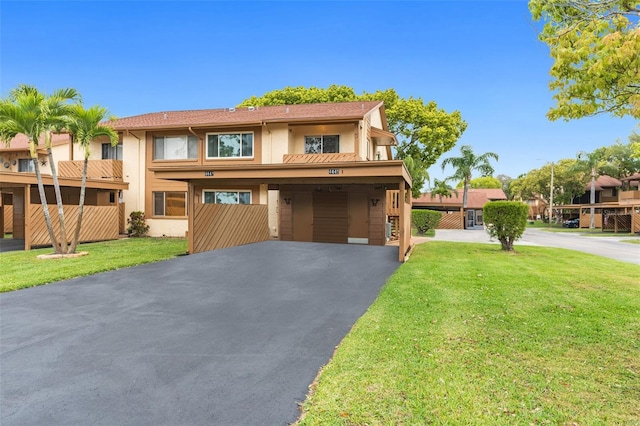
{"x":315,"y":202}
{"x":102,"y":219}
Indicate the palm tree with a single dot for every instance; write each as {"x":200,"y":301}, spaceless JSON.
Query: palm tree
{"x":590,"y":161}
{"x":26,"y":110}
{"x":466,"y":164}
{"x":442,"y":189}
{"x":84,"y":125}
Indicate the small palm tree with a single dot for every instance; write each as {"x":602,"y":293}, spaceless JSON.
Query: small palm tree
{"x":26,"y":110}
{"x":441,"y":188}
{"x":466,"y":164}
{"x":84,"y":125}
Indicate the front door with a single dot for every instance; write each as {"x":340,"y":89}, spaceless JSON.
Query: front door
{"x":18,"y":213}
{"x":471,"y":218}
{"x":358,"y":218}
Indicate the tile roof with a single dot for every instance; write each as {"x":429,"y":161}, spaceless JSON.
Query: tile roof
{"x":21,"y":142}
{"x":235,"y":116}
{"x":476,"y":198}
{"x":604,"y":181}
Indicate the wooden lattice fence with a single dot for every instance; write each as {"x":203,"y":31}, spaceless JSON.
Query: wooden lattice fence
{"x":99,"y":223}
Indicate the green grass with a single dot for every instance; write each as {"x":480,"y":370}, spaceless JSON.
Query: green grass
{"x":430,"y":233}
{"x":465,"y":334}
{"x":21,"y":269}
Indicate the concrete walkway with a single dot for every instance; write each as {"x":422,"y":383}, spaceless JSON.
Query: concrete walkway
{"x":229,"y":337}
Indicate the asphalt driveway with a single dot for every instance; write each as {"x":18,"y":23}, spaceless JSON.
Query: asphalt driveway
{"x":230,"y":337}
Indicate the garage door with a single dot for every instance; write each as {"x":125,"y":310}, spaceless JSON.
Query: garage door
{"x":330,"y":217}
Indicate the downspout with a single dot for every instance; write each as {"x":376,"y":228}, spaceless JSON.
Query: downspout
{"x":139,"y":169}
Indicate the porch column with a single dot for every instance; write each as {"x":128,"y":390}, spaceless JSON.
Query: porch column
{"x":191,"y":203}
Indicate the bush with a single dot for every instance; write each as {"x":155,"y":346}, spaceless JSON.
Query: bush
{"x":506,"y":221}
{"x":423,"y":220}
{"x":137,"y":225}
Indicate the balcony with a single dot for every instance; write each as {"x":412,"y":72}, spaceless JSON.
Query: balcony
{"x":110,"y":170}
{"x":629,"y":197}
{"x":319,"y":158}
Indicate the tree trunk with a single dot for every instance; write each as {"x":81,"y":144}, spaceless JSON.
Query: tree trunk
{"x":592,"y":199}
{"x":507,"y":243}
{"x":56,"y":187}
{"x":76,"y":237}
{"x":45,"y":206}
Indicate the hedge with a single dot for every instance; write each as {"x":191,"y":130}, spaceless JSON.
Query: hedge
{"x":423,"y":220}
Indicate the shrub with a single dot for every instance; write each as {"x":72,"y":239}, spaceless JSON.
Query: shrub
{"x":506,"y":221}
{"x":423,"y":220}
{"x":137,"y":225}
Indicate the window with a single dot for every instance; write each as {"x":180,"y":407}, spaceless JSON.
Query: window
{"x":110,"y":152}
{"x":175,"y":147}
{"x":170,"y":204}
{"x":26,"y":165}
{"x":321,"y":144}
{"x":229,"y":145}
{"x":226,"y":197}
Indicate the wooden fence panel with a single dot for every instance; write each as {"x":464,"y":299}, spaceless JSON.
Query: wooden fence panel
{"x":96,"y":169}
{"x":217,"y":226}
{"x":99,"y":223}
{"x":451,"y":221}
{"x":8,"y":218}
{"x":393,"y":208}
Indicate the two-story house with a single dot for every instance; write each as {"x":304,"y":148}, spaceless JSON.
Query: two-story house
{"x":318,"y":172}
{"x":21,"y":212}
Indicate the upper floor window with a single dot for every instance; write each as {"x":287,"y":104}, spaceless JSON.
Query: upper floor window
{"x":229,"y":145}
{"x":175,"y":147}
{"x":26,"y":165}
{"x":321,"y":144}
{"x":110,"y":152}
{"x":226,"y":197}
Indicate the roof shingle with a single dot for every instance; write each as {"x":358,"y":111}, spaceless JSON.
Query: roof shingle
{"x":236,"y":116}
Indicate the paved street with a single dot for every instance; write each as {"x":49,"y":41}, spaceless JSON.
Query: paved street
{"x":609,"y":246}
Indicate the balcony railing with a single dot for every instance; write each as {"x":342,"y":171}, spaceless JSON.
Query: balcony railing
{"x":629,"y":196}
{"x":96,"y":169}
{"x":319,"y":158}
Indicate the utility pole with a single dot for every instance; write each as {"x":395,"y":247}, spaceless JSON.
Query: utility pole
{"x":551,"y":197}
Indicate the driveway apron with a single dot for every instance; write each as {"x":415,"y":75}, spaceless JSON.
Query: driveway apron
{"x":229,"y":337}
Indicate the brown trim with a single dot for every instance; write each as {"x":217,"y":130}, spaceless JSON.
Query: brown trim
{"x":8,"y":179}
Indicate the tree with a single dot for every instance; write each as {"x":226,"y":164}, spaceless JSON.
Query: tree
{"x":441,"y":188}
{"x":419,"y":175}
{"x":634,"y":141}
{"x":506,"y":185}
{"x":618,"y":160}
{"x":484,"y":182}
{"x":26,"y":110}
{"x":424,"y":131}
{"x":84,"y":125}
{"x":507,"y":221}
{"x":595,"y":46}
{"x":590,"y":161}
{"x":466,"y":164}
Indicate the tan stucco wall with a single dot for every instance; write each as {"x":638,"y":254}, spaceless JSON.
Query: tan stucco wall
{"x":167,"y":227}
{"x":275,"y":143}
{"x":133,"y":154}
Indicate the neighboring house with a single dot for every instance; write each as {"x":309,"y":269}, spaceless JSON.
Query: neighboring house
{"x":230,"y":176}
{"x":454,"y":216}
{"x":316,"y":172}
{"x":616,"y":207}
{"x":21,"y":210}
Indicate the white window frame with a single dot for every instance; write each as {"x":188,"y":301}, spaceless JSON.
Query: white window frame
{"x":321,"y":144}
{"x":164,"y":137}
{"x":238,"y":191}
{"x":164,"y":197}
{"x":217,"y":157}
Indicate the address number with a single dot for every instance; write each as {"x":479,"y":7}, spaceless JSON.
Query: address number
{"x":209,"y":173}
{"x":334,"y":171}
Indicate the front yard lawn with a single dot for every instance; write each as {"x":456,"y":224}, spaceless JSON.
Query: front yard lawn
{"x":467,"y":334}
{"x":21,"y":269}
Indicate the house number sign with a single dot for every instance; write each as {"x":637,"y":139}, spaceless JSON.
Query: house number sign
{"x":208,"y":173}
{"x":334,"y":171}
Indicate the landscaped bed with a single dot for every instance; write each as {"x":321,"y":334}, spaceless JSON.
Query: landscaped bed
{"x":468,"y":334}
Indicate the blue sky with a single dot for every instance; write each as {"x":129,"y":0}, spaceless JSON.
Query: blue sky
{"x":482,"y":58}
